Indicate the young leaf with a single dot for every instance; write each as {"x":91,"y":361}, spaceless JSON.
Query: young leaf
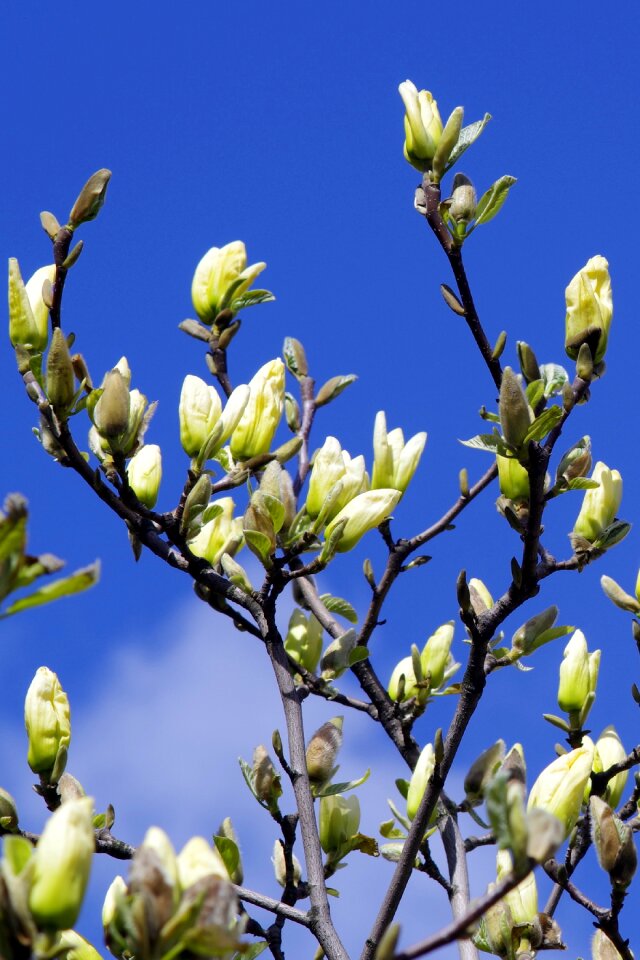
{"x":491,"y":202}
{"x":65,"y":587}
{"x":342,"y":607}
{"x":468,"y":135}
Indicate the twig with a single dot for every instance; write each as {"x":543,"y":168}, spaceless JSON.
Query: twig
{"x":455,"y":851}
{"x":308,"y":413}
{"x":273,"y":906}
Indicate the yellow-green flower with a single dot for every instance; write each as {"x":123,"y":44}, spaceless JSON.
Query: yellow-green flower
{"x":48,"y":723}
{"x":589,"y":309}
{"x":331,"y":466}
{"x":221,"y":534}
{"x":144,"y":473}
{"x":560,"y":787}
{"x":578,"y":674}
{"x":422,"y":125}
{"x":259,"y":421}
{"x":28,"y":314}
{"x":222,"y":276}
{"x":601,"y":504}
{"x":420,"y":777}
{"x":363,"y":513}
{"x":395,"y":461}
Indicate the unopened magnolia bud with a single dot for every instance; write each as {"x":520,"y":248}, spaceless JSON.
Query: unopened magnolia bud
{"x":614,"y":844}
{"x":395,"y":461}
{"x":75,"y":947}
{"x":28,"y":314}
{"x":602,"y":947}
{"x":60,"y":376}
{"x":576,"y":462}
{"x":422,"y":125}
{"x":259,"y":421}
{"x":69,"y":788}
{"x":91,"y":199}
{"x":584,"y":363}
{"x":221,"y":534}
{"x":303,"y":642}
{"x":513,"y":479}
{"x":8,"y":812}
{"x":280,"y":866}
{"x":144,"y":473}
{"x":435,"y":655}
{"x":199,"y":859}
{"x":420,"y":777}
{"x":482,"y":770}
{"x":363,"y":513}
{"x":323,"y":749}
{"x":48,"y":724}
{"x":62,"y":863}
{"x":463,"y":199}
{"x":609,"y":751}
{"x":589,"y":310}
{"x":402,"y":684}
{"x":221,"y":278}
{"x":515,"y":415}
{"x":199,"y":410}
{"x":265,"y":779}
{"x":295,"y":357}
{"x":560,"y":787}
{"x":111,"y":413}
{"x":601,"y":504}
{"x":339,"y":822}
{"x":523,"y":899}
{"x":481,"y":599}
{"x":578,"y":674}
{"x":528,"y":362}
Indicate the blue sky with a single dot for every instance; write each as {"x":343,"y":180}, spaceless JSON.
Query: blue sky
{"x":281,"y":125}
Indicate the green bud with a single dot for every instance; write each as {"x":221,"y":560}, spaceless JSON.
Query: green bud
{"x":303,"y":642}
{"x":144,"y":473}
{"x":197,"y":499}
{"x":523,"y":899}
{"x":339,"y":822}
{"x":600,"y":505}
{"x":584,"y":363}
{"x":62,"y":863}
{"x":436,"y":656}
{"x":90,"y":200}
{"x":403,"y":683}
{"x":482,"y":771}
{"x":28,"y":314}
{"x":528,"y":362}
{"x":420,"y":777}
{"x":395,"y":461}
{"x":220,"y":534}
{"x":589,"y":310}
{"x":514,"y":411}
{"x":295,"y":357}
{"x":608,"y":751}
{"x":266,"y":781}
{"x":323,"y":749}
{"x":111,"y":412}
{"x":560,"y":787}
{"x":261,"y":415}
{"x":578,"y":674}
{"x":48,"y":724}
{"x":422,"y":126}
{"x":292,"y":412}
{"x":336,"y":658}
{"x":75,"y":947}
{"x":526,"y":639}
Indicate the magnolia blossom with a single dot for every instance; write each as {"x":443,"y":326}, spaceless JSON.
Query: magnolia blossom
{"x":589,"y":309}
{"x":222,"y":274}
{"x":395,"y":461}
{"x":601,"y":504}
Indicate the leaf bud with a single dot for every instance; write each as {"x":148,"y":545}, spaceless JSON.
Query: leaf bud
{"x":614,"y":844}
{"x":576,"y":462}
{"x":322,"y":751}
{"x":111,"y":412}
{"x":48,"y":725}
{"x":514,"y":411}
{"x":259,"y":421}
{"x":295,"y":357}
{"x":482,"y":770}
{"x":280,"y":866}
{"x":62,"y":863}
{"x":144,"y":473}
{"x":589,"y":310}
{"x":49,"y":224}
{"x":266,"y":781}
{"x":532,"y":634}
{"x":337,"y":657}
{"x":420,"y":777}
{"x":584,"y":363}
{"x":463,"y":199}
{"x":60,"y":375}
{"x":528,"y":362}
{"x":339,"y":822}
{"x":292,"y":412}
{"x":69,"y":788}
{"x":91,"y":198}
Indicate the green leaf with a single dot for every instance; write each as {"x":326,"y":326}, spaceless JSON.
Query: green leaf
{"x":295,"y":357}
{"x":496,"y":804}
{"x":543,"y":424}
{"x":330,"y":789}
{"x":276,"y":510}
{"x":491,"y":202}
{"x":468,"y":135}
{"x":342,"y":607}
{"x":357,"y":655}
{"x":258,"y":543}
{"x":389,"y":830}
{"x":400,"y":817}
{"x":252,"y":951}
{"x":13,"y":535}
{"x":229,"y":852}
{"x":489,"y":442}
{"x":333,"y":388}
{"x":211,"y":512}
{"x":403,"y":787}
{"x":250,"y":299}
{"x":17,"y":853}
{"x":331,"y":544}
{"x":581,"y":483}
{"x":534,"y":393}
{"x":247,"y":773}
{"x":65,"y":587}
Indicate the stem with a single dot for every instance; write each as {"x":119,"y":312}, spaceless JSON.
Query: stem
{"x":459,"y":897}
{"x":308,"y":413}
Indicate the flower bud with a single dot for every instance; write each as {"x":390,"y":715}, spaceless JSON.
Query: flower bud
{"x":266,"y":781}
{"x":422,"y":125}
{"x":608,"y":751}
{"x":395,"y":461}
{"x":589,"y":309}
{"x":62,"y":863}
{"x":331,"y":466}
{"x":280,"y":866}
{"x":8,"y":812}
{"x":60,"y":376}
{"x":221,"y":534}
{"x":48,"y":724}
{"x":482,"y":770}
{"x":515,"y":413}
{"x":436,"y":655}
{"x":116,"y":891}
{"x":199,"y":859}
{"x":523,"y":899}
{"x":528,"y":362}
{"x":303,"y":642}
{"x":75,"y":947}
{"x":323,"y":749}
{"x":144,"y":473}
{"x":199,"y":410}
{"x":576,"y":462}
{"x":578,"y":674}
{"x":404,"y":668}
{"x":614,"y":844}
{"x":560,"y":787}
{"x":602,"y":948}
{"x":111,"y":412}
{"x":513,"y":479}
{"x":259,"y":421}
{"x":481,"y":599}
{"x":363,"y":513}
{"x":91,"y":198}
{"x":420,"y":777}
{"x":339,"y":822}
{"x":600,"y":505}
{"x":28,"y":314}
{"x":222,"y":275}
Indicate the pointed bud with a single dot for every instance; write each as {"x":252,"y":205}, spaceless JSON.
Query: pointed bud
{"x":28,"y":314}
{"x":280,"y":866}
{"x":48,"y":724}
{"x":462,"y":208}
{"x":395,"y":461}
{"x":111,"y":413}
{"x":259,"y":421}
{"x":614,"y":844}
{"x":609,"y":751}
{"x":436,"y":655}
{"x":144,"y":473}
{"x":303,"y":642}
{"x":482,"y":770}
{"x":60,"y":376}
{"x":602,"y":948}
{"x":199,"y":859}
{"x":528,"y":362}
{"x":578,"y":674}
{"x":576,"y":462}
{"x":420,"y":777}
{"x":589,"y":310}
{"x":323,"y":749}
{"x":403,"y":683}
{"x":600,"y":505}
{"x":75,"y":947}
{"x":266,"y":781}
{"x":560,"y":787}
{"x":8,"y":812}
{"x":481,"y":599}
{"x":221,"y":277}
{"x":62,"y":863}
{"x":363,"y":513}
{"x":199,"y":410}
{"x":515,"y":415}
{"x":422,"y":125}
{"x":91,"y":198}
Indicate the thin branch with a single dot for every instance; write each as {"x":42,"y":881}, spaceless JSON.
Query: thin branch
{"x":273,"y":906}
{"x":456,"y":853}
{"x":308,"y":413}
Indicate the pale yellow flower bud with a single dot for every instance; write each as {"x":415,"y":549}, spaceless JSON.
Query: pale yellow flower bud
{"x":523,"y":899}
{"x":323,"y":749}
{"x":259,"y":421}
{"x":600,"y":505}
{"x":589,"y":309}
{"x":560,"y":787}
{"x":117,"y":889}
{"x":419,"y":779}
{"x":513,"y":478}
{"x":28,"y":314}
{"x":339,"y":821}
{"x":199,"y":859}
{"x":221,"y":534}
{"x":422,"y":125}
{"x":395,"y":461}
{"x":280,"y":865}
{"x":144,"y":473}
{"x":403,"y":669}
{"x":331,"y":466}
{"x":220,"y":275}
{"x":76,"y":947}
{"x":48,"y":724}
{"x":199,"y":410}
{"x":578,"y":674}
{"x":62,"y":863}
{"x":609,"y":750}
{"x":363,"y":513}
{"x":303,"y":642}
{"x":156,"y":840}
{"x":436,"y":655}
